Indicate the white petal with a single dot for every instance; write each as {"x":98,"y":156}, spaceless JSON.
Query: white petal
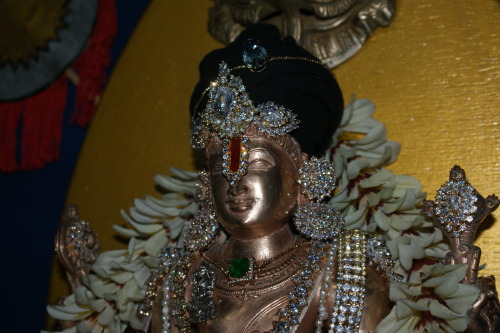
{"x":183,"y":174}
{"x":463,"y":299}
{"x":143,"y":207}
{"x":175,"y":185}
{"x":409,"y":252}
{"x":381,"y":220}
{"x":106,"y":317}
{"x":155,"y":243}
{"x":143,"y":228}
{"x":140,"y":217}
{"x":126,"y":232}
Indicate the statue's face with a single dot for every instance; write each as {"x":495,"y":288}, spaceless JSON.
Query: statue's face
{"x":263,"y":200}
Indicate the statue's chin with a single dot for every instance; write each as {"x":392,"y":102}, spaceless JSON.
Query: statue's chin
{"x":250,"y":229}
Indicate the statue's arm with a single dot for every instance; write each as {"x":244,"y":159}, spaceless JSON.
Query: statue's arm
{"x":377,"y":304}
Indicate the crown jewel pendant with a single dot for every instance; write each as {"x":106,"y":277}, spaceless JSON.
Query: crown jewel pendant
{"x":254,"y":55}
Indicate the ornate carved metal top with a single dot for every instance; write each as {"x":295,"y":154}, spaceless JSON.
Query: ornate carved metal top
{"x":458,"y":211}
{"x":332,"y":30}
{"x":459,"y":208}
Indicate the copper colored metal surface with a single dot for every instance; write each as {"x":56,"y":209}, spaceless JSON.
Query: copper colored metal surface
{"x":252,"y":309}
{"x":263,"y":201}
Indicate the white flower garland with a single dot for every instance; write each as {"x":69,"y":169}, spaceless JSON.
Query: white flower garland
{"x":369,"y":197}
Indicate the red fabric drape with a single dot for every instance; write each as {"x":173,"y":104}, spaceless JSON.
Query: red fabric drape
{"x":91,"y":65}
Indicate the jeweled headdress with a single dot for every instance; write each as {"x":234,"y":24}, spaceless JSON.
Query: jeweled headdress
{"x":229,"y":113}
{"x":271,"y":86}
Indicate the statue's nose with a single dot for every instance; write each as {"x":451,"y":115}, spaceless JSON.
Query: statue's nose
{"x":239,"y":188}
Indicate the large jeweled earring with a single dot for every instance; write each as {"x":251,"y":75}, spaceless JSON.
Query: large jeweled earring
{"x":317,"y":220}
{"x":204,"y":227}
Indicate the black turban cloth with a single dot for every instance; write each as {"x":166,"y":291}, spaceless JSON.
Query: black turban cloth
{"x":308,"y":89}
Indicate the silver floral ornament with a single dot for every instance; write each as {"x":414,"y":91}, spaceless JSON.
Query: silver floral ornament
{"x":229,"y":110}
{"x":317,"y":178}
{"x":273,"y":119}
{"x":318,"y":221}
{"x":203,"y":230}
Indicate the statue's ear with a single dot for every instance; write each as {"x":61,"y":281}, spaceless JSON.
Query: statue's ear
{"x":302,"y":198}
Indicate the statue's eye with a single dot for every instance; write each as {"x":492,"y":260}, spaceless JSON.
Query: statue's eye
{"x":261,"y":159}
{"x":217,"y":168}
{"x":260,"y":164}
{"x":215,"y":165}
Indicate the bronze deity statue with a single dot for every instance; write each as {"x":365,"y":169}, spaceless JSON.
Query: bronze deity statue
{"x":276,"y":266}
{"x":267,"y":250}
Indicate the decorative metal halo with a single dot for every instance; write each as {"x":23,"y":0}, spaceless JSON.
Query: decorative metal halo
{"x":25,"y":80}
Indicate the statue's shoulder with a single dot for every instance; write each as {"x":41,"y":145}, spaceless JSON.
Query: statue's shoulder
{"x":364,"y":272}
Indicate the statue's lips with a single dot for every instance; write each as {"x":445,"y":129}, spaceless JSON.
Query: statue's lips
{"x":240,"y":204}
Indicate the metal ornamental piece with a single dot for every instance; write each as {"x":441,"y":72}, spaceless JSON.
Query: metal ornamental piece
{"x":160,"y":274}
{"x":332,"y":30}
{"x":203,"y":229}
{"x":456,"y":205}
{"x":458,"y":211}
{"x":317,"y":178}
{"x":76,"y":246}
{"x":351,"y":282}
{"x":230,"y":111}
{"x":317,"y":220}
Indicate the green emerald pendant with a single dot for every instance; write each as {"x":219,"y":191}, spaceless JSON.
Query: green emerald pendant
{"x":239,"y":268}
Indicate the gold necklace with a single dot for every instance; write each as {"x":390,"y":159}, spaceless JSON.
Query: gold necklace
{"x":246,"y":269}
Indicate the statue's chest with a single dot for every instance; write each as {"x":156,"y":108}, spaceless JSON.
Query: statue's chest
{"x":254,"y":310}
{"x":281,"y":293}
{"x":248,"y":310}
